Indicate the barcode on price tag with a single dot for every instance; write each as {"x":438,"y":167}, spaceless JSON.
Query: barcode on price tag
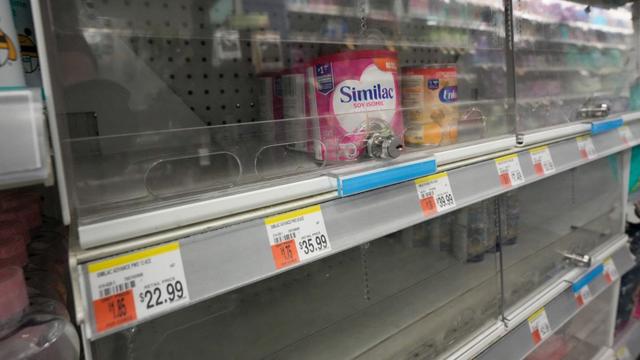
{"x":542,"y":161}
{"x":586,"y":148}
{"x":539,"y":326}
{"x":137,"y":285}
{"x":297,"y":236}
{"x":435,"y":194}
{"x":583,"y":295}
{"x":509,"y":171}
{"x":610,"y":271}
{"x":625,"y":134}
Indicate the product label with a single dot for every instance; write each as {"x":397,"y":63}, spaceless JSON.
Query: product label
{"x":435,"y":193}
{"x":539,"y":326}
{"x":324,"y":78}
{"x":625,"y":135}
{"x":610,"y":271}
{"x":586,"y":148}
{"x":375,"y":90}
{"x":542,"y":161}
{"x":509,"y":170}
{"x":297,"y":236}
{"x":137,"y":285}
{"x":583,"y":295}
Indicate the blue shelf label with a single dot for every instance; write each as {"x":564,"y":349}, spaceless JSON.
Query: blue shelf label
{"x":354,"y":184}
{"x":585,"y":280}
{"x":601,"y":126}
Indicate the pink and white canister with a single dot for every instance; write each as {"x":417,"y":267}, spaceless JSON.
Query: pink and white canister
{"x":354,"y":101}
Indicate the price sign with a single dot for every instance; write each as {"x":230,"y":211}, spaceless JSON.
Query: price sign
{"x":610,"y":271}
{"x":435,"y":193}
{"x":542,"y":161}
{"x":137,"y":285}
{"x":297,"y":236}
{"x":623,"y":353}
{"x":583,"y":295}
{"x":586,"y":148}
{"x":625,"y":135}
{"x":539,"y":326}
{"x":509,"y":170}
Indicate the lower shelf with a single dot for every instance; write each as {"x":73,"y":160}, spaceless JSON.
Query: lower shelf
{"x":532,"y":323}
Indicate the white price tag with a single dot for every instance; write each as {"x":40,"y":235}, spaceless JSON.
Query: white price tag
{"x":610,"y":271}
{"x":583,"y":296}
{"x":539,"y":326}
{"x":586,"y":148}
{"x":509,"y":170}
{"x":625,"y":134}
{"x":136,"y":285}
{"x":623,"y":353}
{"x":297,"y":236}
{"x":542,"y":161}
{"x":435,"y":194}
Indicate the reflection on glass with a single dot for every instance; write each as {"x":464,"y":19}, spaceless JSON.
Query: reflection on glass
{"x":356,"y":81}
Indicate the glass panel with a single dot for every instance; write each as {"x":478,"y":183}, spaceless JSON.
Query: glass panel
{"x":572,"y":212}
{"x":573,"y":61}
{"x":584,"y":336}
{"x":413,"y":294}
{"x":282,"y":88}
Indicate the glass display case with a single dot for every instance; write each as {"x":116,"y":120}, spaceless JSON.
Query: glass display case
{"x":586,"y":336}
{"x":421,"y":292}
{"x":569,"y":215}
{"x":574,"y":61}
{"x":416,"y":293}
{"x":161,"y":103}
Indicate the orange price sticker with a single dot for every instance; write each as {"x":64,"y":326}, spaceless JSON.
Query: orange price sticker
{"x":114,"y":310}
{"x":428,"y":205}
{"x":505,"y":179}
{"x":537,"y":167}
{"x":297,"y":236}
{"x":285,"y":254}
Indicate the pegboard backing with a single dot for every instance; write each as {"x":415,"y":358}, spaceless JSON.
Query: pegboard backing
{"x":175,"y":39}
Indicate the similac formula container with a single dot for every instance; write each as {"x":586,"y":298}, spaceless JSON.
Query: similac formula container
{"x":11,"y":74}
{"x":295,"y":108}
{"x":429,"y":94}
{"x":353,"y":95}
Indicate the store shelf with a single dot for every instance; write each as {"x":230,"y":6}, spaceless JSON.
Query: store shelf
{"x":272,"y":199}
{"x":593,"y":44}
{"x":24,"y":150}
{"x":240,"y":252}
{"x":559,"y":303}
